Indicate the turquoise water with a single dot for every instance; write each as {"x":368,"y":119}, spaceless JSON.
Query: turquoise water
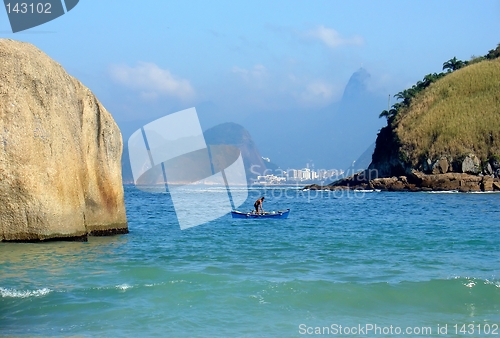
{"x":403,"y":259}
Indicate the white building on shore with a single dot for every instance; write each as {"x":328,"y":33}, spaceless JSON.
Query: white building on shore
{"x":307,"y":174}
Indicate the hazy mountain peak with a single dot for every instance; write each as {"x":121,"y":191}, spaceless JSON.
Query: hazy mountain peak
{"x":227,"y":133}
{"x":357,"y":84}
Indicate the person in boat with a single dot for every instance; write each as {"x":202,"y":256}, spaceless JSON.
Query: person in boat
{"x":258,"y":205}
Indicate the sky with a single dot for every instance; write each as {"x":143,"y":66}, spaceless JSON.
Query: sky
{"x":147,"y":59}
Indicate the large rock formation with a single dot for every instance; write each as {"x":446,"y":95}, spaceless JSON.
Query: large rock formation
{"x":60,"y":150}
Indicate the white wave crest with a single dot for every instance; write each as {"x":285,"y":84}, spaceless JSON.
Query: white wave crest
{"x":483,"y":192}
{"x":123,"y":287}
{"x":492,"y":282}
{"x":443,"y":192}
{"x":13,"y":293}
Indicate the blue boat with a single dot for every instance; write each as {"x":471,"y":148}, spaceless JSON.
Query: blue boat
{"x":272,"y":214}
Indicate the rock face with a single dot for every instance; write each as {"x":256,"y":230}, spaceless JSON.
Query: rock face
{"x":441,"y":166}
{"x":417,"y":181}
{"x":471,"y":164}
{"x":438,"y":131}
{"x":60,"y":150}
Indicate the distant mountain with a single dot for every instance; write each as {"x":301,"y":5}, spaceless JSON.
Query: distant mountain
{"x":330,"y":138}
{"x":224,"y":138}
{"x":357,"y":122}
{"x":362,"y":163}
{"x":356,"y":88}
{"x":235,"y":135}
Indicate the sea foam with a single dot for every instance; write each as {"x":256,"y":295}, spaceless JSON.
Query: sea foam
{"x":13,"y":293}
{"x":124,"y":287}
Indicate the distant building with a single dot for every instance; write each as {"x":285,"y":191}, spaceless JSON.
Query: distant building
{"x":314,"y":175}
{"x":306,"y":174}
{"x":270,"y":179}
{"x":292,"y":174}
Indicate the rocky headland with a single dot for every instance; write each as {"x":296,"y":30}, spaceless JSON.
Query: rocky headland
{"x":60,"y":151}
{"x":417,"y":181}
{"x":443,"y":134}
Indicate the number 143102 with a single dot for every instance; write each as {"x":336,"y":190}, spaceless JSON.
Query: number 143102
{"x":475,"y":329}
{"x":29,"y":8}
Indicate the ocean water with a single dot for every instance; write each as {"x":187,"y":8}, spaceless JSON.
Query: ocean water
{"x":370,"y":263}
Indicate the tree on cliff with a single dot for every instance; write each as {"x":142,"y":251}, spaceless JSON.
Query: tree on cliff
{"x":494,"y":53}
{"x":454,"y":64}
{"x":389,"y":115}
{"x":408,"y":94}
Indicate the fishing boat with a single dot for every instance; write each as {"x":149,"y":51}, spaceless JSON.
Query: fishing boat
{"x":272,"y":214}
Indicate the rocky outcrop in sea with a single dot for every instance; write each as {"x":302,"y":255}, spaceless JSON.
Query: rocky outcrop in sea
{"x":60,"y":151}
{"x":465,"y":175}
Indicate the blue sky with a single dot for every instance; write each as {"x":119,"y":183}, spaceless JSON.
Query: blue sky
{"x":144,"y":59}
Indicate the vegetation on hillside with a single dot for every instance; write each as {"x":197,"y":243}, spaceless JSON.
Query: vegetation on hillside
{"x":456,"y":116}
{"x":451,"y":65}
{"x":453,"y":113}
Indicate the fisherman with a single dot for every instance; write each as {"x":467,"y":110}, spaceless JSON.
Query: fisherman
{"x":258,"y":204}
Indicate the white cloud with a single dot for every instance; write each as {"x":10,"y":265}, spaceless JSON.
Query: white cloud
{"x":258,"y":72}
{"x":318,"y":92}
{"x":261,"y":87}
{"x":331,"y":38}
{"x":152,"y":81}
{"x":320,"y":89}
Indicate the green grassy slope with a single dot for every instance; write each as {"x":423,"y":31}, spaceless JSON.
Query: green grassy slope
{"x":456,"y":115}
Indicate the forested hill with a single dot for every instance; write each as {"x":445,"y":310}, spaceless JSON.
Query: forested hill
{"x":442,"y":134}
{"x":450,"y":117}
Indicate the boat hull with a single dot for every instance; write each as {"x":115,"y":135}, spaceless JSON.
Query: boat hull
{"x":276,"y":215}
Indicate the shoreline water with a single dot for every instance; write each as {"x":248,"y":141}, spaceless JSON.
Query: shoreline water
{"x":335,"y":260}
